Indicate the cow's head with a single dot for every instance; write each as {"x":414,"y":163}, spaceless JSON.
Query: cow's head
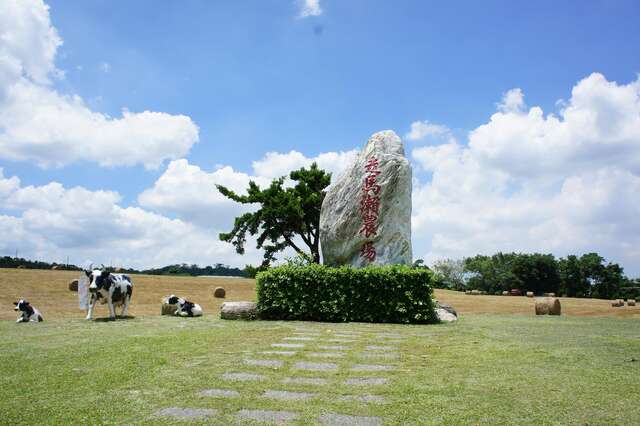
{"x":21,"y":305}
{"x":173,"y":299}
{"x":97,"y":279}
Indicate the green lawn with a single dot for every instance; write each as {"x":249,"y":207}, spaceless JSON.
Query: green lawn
{"x":484,"y":370}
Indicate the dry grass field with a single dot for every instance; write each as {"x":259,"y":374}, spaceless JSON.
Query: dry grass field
{"x":48,"y":291}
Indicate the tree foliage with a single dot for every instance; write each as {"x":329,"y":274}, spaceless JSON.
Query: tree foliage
{"x":286,"y":215}
{"x":586,"y":276}
{"x":450,"y":273}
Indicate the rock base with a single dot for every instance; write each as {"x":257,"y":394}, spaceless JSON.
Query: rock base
{"x":239,"y":311}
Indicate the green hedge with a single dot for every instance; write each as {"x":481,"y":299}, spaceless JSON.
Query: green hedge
{"x":394,"y":294}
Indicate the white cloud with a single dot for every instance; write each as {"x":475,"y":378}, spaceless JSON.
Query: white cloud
{"x":309,"y":8}
{"x":187,"y":191}
{"x":512,"y":101}
{"x":52,"y":222}
{"x":530,"y":182}
{"x":39,"y":124}
{"x":424,"y":129}
{"x":275,"y":164}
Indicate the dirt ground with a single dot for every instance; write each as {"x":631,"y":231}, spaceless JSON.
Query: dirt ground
{"x":48,"y":291}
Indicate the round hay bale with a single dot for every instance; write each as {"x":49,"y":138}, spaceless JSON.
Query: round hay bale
{"x":617,"y":303}
{"x":22,"y":267}
{"x":548,"y":306}
{"x":117,"y":270}
{"x":55,"y":267}
{"x":549,"y":294}
{"x":505,"y":293}
{"x":529,"y":294}
{"x":468,"y":292}
{"x":73,"y":285}
{"x":475,"y":292}
{"x":219,"y":292}
{"x":631,"y":302}
{"x":168,"y":309}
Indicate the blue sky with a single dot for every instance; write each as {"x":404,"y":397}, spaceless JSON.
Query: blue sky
{"x":257,"y":77}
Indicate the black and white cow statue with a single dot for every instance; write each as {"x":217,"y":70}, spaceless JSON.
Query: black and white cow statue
{"x":27,"y":313}
{"x":113,"y":289}
{"x":184,"y":308}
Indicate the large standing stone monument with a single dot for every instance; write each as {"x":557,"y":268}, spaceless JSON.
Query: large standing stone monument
{"x":366,"y":214}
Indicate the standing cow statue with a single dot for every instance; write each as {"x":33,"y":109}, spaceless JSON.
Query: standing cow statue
{"x":113,"y":289}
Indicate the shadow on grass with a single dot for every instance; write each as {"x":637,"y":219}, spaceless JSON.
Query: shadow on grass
{"x":118,"y":318}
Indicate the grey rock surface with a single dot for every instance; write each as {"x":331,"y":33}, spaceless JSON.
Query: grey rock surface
{"x":331,"y":419}
{"x":278,"y":417}
{"x":238,"y":310}
{"x":186,"y":413}
{"x":445,"y":312}
{"x":383,"y":168}
{"x":220,"y":393}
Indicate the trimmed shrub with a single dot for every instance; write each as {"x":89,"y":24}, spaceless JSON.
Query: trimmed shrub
{"x":394,"y":294}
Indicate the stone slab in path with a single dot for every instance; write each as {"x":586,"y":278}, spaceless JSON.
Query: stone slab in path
{"x":222,"y":393}
{"x":243,"y":377}
{"x":186,"y":413}
{"x":302,"y":338}
{"x":323,"y":366}
{"x":382,"y":355}
{"x":346,"y":336}
{"x":287,"y":395}
{"x":278,"y":417}
{"x":391,"y":336}
{"x":271,"y":363}
{"x":372,"y":367}
{"x":381,"y":348}
{"x":344,"y":420}
{"x":326,"y":354}
{"x":373,"y":381}
{"x":363,"y":398}
{"x":287,"y":345}
{"x":335,"y":348}
{"x":282,"y":353}
{"x":341,"y":340}
{"x":305,"y":381}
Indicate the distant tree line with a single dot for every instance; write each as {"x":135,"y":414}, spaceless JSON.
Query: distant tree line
{"x":14,"y":262}
{"x":589,"y":275}
{"x":194,"y":270}
{"x":179,"y":269}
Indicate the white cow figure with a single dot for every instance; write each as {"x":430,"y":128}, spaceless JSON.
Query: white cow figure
{"x":27,"y":313}
{"x":114,"y":289}
{"x":184,"y":308}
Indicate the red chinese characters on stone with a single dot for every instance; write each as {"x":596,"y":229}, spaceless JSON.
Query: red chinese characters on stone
{"x":370,"y":208}
{"x":368,"y":251}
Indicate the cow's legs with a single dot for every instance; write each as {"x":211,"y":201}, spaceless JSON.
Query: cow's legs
{"x":92,"y":304}
{"x":112,"y":310}
{"x":125,"y":305}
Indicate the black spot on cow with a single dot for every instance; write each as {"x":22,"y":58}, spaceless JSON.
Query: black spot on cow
{"x":172,"y":300}
{"x":188,"y":308}
{"x":126,"y":278}
{"x":117,"y":295}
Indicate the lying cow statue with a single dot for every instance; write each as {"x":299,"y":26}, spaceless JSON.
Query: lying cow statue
{"x":113,"y":289}
{"x":184,"y":308}
{"x":27,"y":313}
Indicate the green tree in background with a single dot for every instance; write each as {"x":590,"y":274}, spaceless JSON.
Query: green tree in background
{"x":285,"y":217}
{"x":572,"y":281}
{"x":450,"y":273}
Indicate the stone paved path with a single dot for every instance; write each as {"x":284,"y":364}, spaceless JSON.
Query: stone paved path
{"x":339,"y":346}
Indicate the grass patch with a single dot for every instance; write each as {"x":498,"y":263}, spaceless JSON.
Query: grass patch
{"x":485,"y":369}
